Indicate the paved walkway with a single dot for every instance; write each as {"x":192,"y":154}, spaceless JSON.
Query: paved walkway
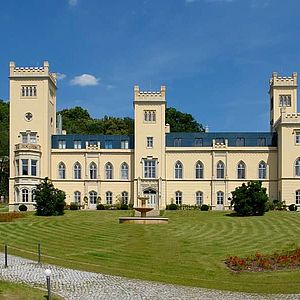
{"x":73,"y":284}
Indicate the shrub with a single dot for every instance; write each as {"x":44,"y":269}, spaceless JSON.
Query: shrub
{"x":124,"y":206}
{"x":23,"y":207}
{"x":204,"y":207}
{"x":250,"y":199}
{"x":172,"y":206}
{"x":292,"y":207}
{"x":130,"y":206}
{"x":100,"y":206}
{"x":73,"y":206}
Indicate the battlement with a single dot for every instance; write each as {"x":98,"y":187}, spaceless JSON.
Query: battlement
{"x":147,"y":95}
{"x":43,"y":71}
{"x":276,"y":80}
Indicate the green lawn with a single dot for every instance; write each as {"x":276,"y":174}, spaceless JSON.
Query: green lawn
{"x":190,"y":250}
{"x":14,"y":291}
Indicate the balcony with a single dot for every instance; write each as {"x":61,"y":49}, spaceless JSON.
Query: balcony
{"x":28,"y":147}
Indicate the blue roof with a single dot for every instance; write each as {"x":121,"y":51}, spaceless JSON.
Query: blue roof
{"x":205,"y":139}
{"x":106,"y":141}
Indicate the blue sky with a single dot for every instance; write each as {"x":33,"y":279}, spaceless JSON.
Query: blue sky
{"x":214,"y":56}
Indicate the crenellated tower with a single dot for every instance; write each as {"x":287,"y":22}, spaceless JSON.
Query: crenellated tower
{"x":32,"y":122}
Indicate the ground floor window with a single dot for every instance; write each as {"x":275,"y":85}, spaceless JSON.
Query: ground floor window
{"x":220,"y":198}
{"x":298,"y":197}
{"x":93,"y":197}
{"x":199,"y":198}
{"x":25,"y":195}
{"x":77,"y":196}
{"x":108,"y":198}
{"x":178,"y":198}
{"x":124,"y":196}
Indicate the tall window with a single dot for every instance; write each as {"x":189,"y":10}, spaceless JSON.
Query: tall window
{"x":220,"y":198}
{"x":108,"y":196}
{"x":178,"y":198}
{"x":61,"y":171}
{"x":25,"y":195}
{"x":297,"y":137}
{"x":297,"y":197}
{"x":241,"y":170}
{"x":297,"y":167}
{"x":124,"y":171}
{"x":124,"y":196}
{"x":77,"y":197}
{"x":149,"y":115}
{"x":28,"y":90}
{"x":33,"y":167}
{"x":33,"y":195}
{"x":77,"y":170}
{"x":199,"y":198}
{"x":284,"y":100}
{"x":93,"y":197}
{"x":262,"y":170}
{"x":149,"y":142}
{"x":178,"y":170}
{"x":199,"y":170}
{"x":93,"y":171}
{"x":24,"y":166}
{"x":108,"y":171}
{"x":220,"y":170}
{"x":198,"y":142}
{"x":149,"y":168}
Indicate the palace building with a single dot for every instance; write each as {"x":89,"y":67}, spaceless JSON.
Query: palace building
{"x":184,"y":168}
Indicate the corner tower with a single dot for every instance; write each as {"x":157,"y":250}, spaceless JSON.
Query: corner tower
{"x":149,"y":149}
{"x":32,"y":122}
{"x":283,"y":97}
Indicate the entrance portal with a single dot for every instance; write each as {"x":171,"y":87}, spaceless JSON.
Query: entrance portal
{"x":152,"y":195}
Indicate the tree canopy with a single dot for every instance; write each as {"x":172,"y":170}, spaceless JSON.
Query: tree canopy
{"x":49,"y":201}
{"x":78,"y":120}
{"x":250,"y":199}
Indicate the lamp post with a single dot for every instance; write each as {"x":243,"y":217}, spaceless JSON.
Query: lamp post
{"x":48,"y":274}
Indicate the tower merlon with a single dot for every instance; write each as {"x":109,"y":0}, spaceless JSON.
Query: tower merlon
{"x":283,"y":80}
{"x":149,"y":95}
{"x":43,"y":71}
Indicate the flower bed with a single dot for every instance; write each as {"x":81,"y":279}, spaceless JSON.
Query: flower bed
{"x":260,"y":262}
{"x":10,"y":216}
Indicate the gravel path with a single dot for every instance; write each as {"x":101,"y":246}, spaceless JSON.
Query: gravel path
{"x":74,"y":284}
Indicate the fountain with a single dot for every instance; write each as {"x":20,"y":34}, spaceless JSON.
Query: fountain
{"x":143,"y":219}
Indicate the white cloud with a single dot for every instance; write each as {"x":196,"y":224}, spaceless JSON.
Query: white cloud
{"x":73,"y":2}
{"x":85,"y":80}
{"x":60,"y":76}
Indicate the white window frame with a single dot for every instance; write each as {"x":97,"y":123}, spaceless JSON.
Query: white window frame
{"x":199,"y":170}
{"x":220,"y":170}
{"x":149,"y":141}
{"x":109,"y":171}
{"x":241,"y":170}
{"x":77,"y":170}
{"x":109,"y":197}
{"x":199,"y":198}
{"x":149,"y":168}
{"x":178,"y":170}
{"x":262,"y":170}
{"x":124,"y":171}
{"x":178,"y":198}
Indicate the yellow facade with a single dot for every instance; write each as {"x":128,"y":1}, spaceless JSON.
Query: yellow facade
{"x":184,"y":168}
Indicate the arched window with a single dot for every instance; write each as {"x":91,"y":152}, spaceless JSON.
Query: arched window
{"x":33,"y":195}
{"x":93,"y":171}
{"x":178,"y":170}
{"x":61,"y":171}
{"x":262,"y":170}
{"x":199,"y":198}
{"x":297,"y":197}
{"x":199,"y":170}
{"x":25,"y":195}
{"x":220,"y":198}
{"x":77,"y":197}
{"x":178,"y":198}
{"x":108,"y":196}
{"x":220,"y":170}
{"x":93,"y":197}
{"x":241,"y":170}
{"x":108,"y":171}
{"x":124,"y":171}
{"x":297,"y":167}
{"x":124,"y":196}
{"x":77,"y":170}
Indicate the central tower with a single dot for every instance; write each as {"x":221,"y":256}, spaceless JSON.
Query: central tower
{"x":149,"y":150}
